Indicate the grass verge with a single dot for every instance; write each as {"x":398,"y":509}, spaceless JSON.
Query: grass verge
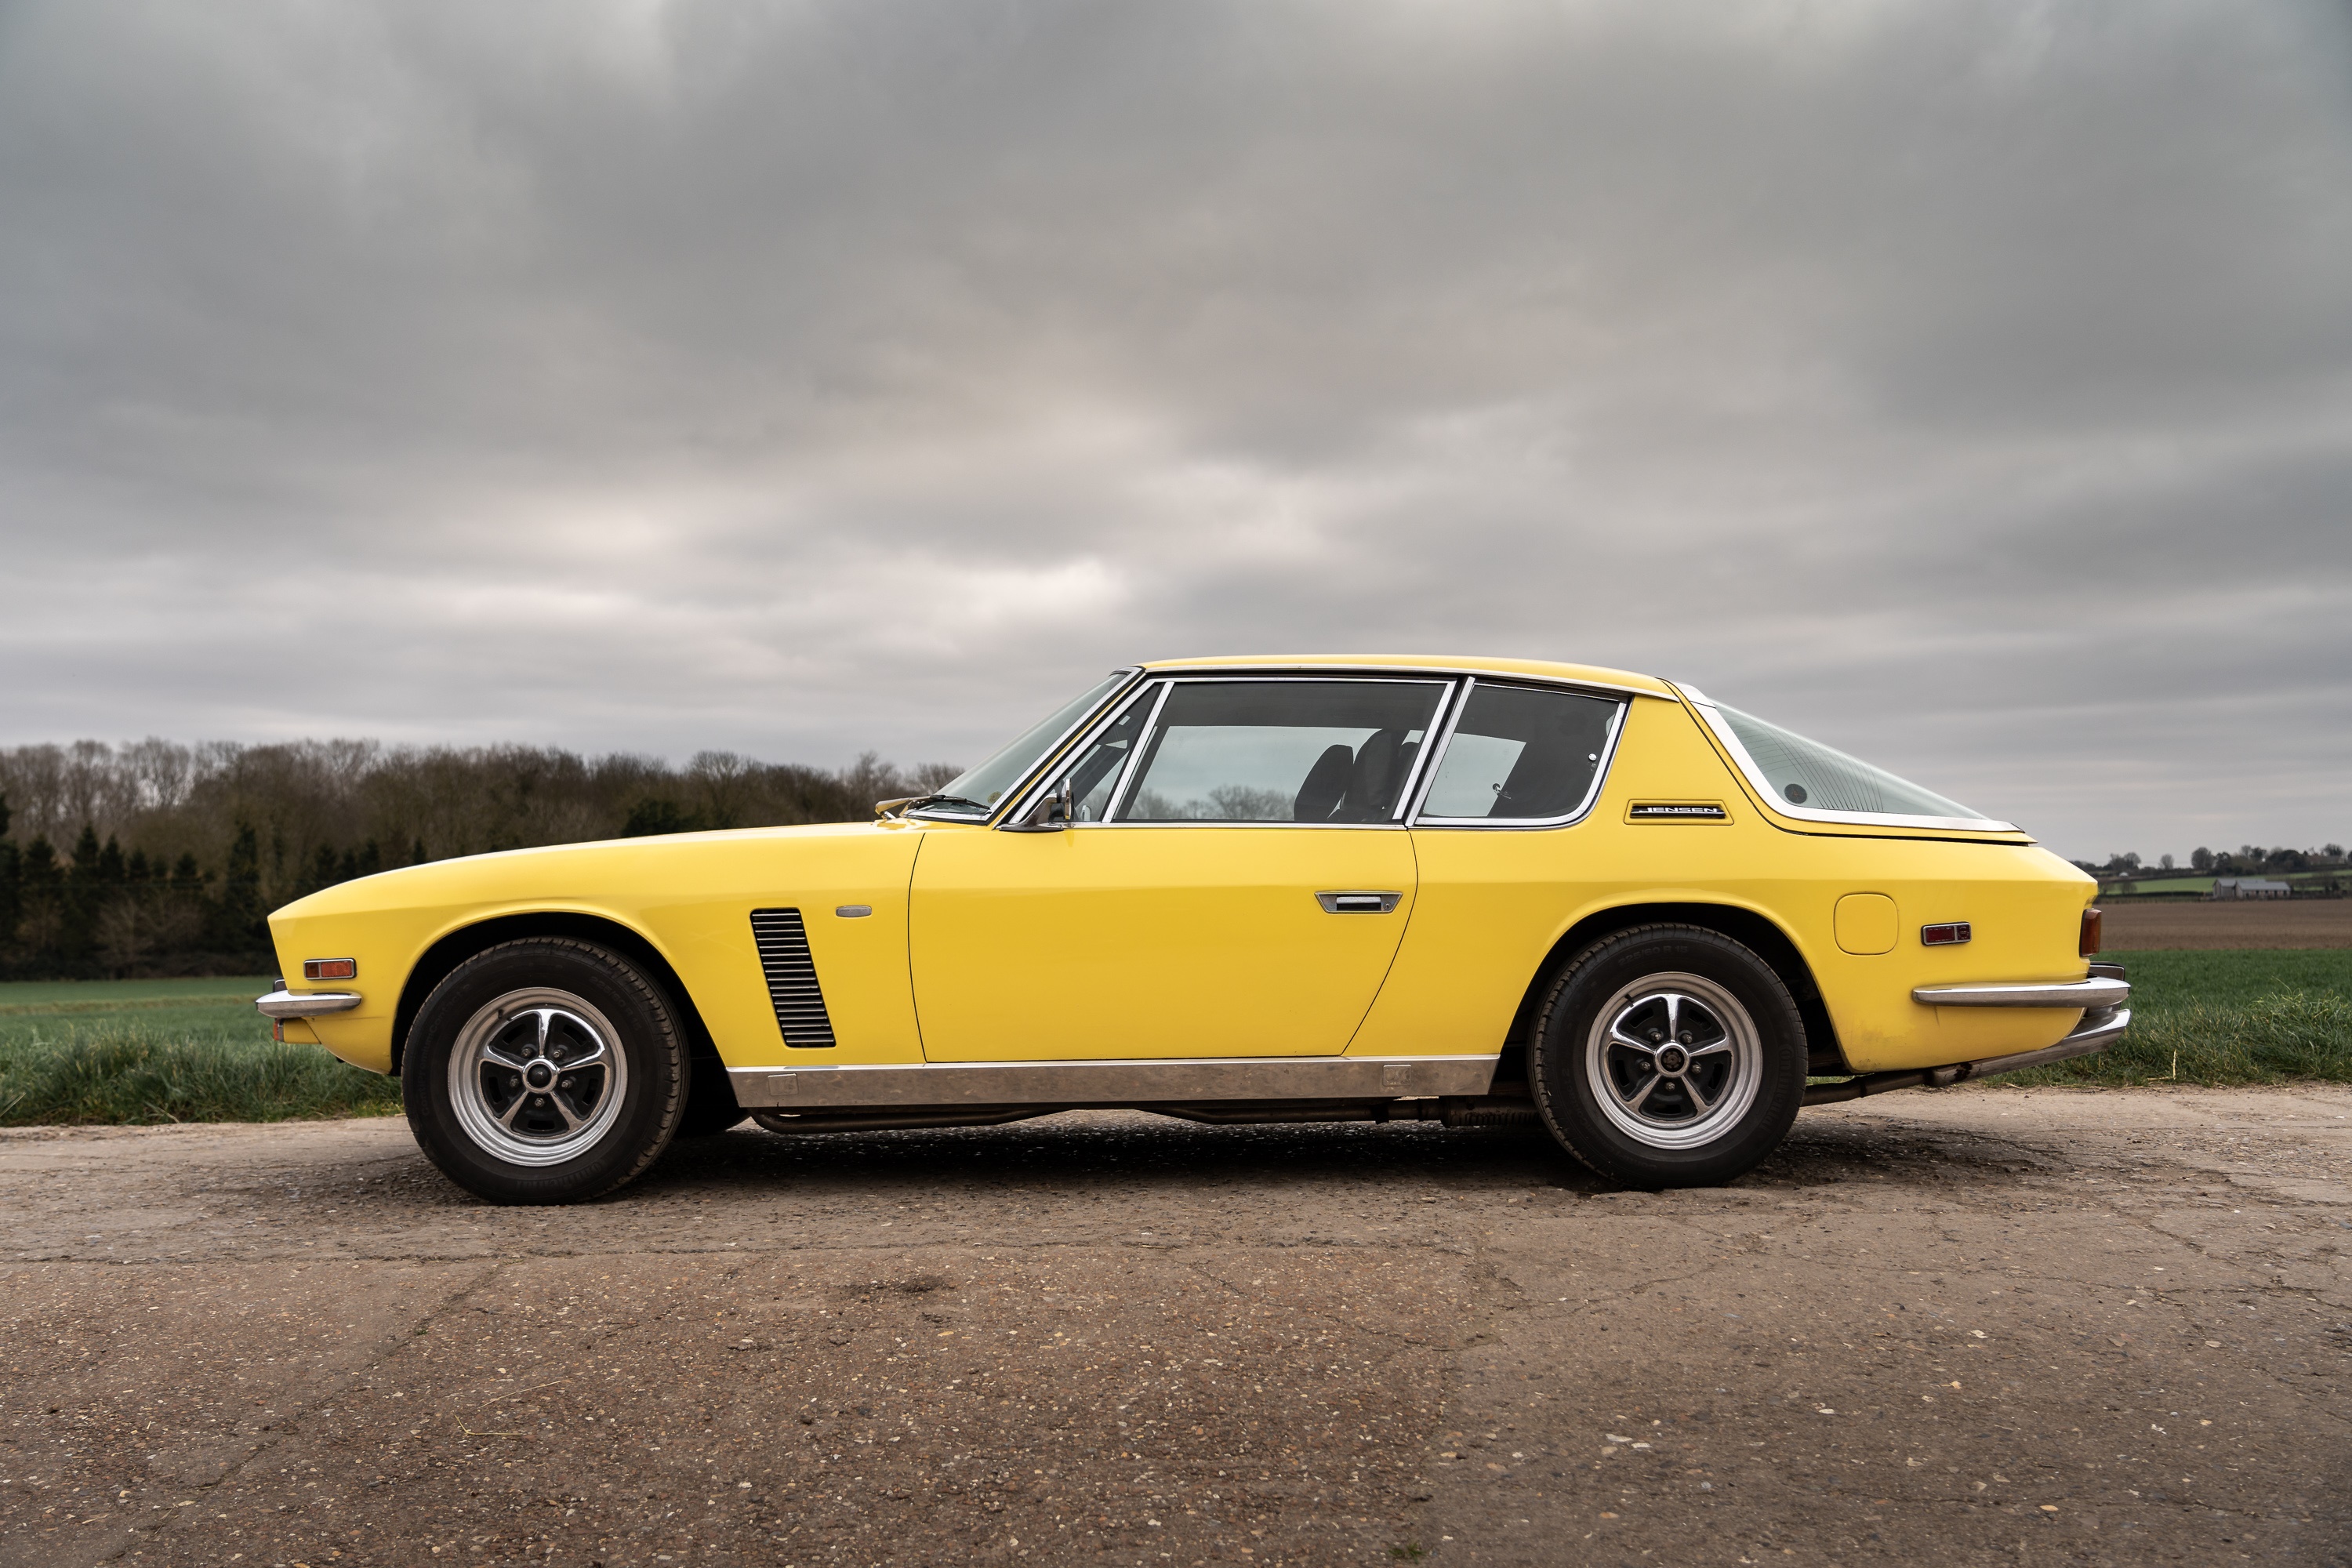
{"x":127,"y":1077}
{"x":2224,"y":1017}
{"x":135,"y":1053}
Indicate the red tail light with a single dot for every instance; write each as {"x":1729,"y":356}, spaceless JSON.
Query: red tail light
{"x":2090,"y":944}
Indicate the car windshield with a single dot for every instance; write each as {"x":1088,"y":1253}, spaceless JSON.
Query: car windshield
{"x":1819,"y":778}
{"x":976,"y":792}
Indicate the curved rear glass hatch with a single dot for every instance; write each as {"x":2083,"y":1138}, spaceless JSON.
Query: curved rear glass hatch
{"x":1814,"y":783}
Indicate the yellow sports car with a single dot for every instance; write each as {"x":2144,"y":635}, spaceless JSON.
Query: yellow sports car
{"x":1468,"y":891}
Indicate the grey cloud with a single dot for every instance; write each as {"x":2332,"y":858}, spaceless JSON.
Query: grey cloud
{"x":1967,"y":384}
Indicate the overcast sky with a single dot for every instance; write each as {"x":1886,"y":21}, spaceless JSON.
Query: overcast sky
{"x":1966,"y":386}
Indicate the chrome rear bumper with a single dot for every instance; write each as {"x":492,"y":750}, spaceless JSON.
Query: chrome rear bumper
{"x":2098,"y":993}
{"x":2100,"y":1028}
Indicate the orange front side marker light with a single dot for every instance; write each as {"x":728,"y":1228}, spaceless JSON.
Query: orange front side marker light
{"x":2090,"y":944}
{"x":331,"y":969}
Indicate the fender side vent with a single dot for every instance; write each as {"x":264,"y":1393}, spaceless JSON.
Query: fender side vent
{"x":791,"y":978}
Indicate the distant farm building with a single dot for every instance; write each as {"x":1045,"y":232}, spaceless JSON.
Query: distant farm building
{"x":2246,"y":888}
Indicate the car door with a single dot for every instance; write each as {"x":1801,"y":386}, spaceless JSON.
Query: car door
{"x":1503,"y":838}
{"x":1234,"y":885}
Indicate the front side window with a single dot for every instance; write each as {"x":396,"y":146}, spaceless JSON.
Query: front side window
{"x":1281,"y":750}
{"x":1519,"y":754}
{"x":1810,"y":778}
{"x":1097,"y":770}
{"x":973,"y":795}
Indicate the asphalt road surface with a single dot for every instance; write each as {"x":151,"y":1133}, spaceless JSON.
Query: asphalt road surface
{"x":1974,"y":1326}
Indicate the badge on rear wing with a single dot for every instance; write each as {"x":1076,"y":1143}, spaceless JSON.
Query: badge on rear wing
{"x":1677,"y":811}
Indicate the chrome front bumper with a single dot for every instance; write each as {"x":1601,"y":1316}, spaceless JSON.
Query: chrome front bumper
{"x":284,"y":1004}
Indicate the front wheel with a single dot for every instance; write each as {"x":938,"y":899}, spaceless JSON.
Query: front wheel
{"x":545,"y":1072}
{"x":1669,"y":1056}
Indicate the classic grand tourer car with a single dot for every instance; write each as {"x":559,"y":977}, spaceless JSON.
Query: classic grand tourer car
{"x":1466,"y":890}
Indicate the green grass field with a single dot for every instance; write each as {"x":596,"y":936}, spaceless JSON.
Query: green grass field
{"x":194,"y":1050}
{"x":137,"y":1051}
{"x":2248,"y":1016}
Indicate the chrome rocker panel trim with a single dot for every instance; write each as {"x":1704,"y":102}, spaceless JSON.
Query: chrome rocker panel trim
{"x":305,"y":1004}
{"x":1125,"y":1083}
{"x":2091,"y":994}
{"x":2098,"y":1031}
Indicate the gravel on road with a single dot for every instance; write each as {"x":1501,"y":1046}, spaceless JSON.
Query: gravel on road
{"x":1980,"y":1325}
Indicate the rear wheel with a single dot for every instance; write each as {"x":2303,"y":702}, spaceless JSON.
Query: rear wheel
{"x":544,"y":1071}
{"x":1669,"y":1056}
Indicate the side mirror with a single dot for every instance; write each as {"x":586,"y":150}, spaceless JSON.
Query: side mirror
{"x":1054,"y":812}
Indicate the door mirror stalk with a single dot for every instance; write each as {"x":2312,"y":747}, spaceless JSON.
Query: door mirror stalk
{"x":1054,"y":812}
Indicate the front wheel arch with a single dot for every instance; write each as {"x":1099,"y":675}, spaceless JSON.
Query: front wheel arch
{"x":441,"y":959}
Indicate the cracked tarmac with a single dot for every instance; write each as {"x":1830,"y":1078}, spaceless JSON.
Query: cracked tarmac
{"x":1981,"y":1325}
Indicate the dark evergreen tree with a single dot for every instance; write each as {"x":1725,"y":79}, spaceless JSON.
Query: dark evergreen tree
{"x":239,"y":924}
{"x":85,"y":854}
{"x":11,"y":893}
{"x":41,"y":887}
{"x":87,"y":888}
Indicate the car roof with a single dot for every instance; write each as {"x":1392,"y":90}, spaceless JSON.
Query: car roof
{"x":1541,"y":669}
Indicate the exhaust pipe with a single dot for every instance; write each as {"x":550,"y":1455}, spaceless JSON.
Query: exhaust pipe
{"x":2095,"y":1033}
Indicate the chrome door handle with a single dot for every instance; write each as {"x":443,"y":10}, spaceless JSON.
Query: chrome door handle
{"x":1356,"y":903}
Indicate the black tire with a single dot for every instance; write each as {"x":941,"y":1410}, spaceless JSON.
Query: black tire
{"x":532,"y":1112}
{"x":1668,"y":1055}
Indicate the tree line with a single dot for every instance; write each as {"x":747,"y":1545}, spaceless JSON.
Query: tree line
{"x":159,"y":859}
{"x":2247,"y":859}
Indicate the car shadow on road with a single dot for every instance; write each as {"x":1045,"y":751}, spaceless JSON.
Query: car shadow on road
{"x":1134,"y":1152}
{"x":1130,"y":1149}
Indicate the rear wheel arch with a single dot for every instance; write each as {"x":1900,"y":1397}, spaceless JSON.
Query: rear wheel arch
{"x":1755,"y":931}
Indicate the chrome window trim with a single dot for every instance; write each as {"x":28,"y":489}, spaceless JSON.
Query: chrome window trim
{"x":1441,"y":671}
{"x":1441,"y":730}
{"x":1772,"y":801}
{"x":1201,"y":822}
{"x":1168,"y":683}
{"x":1524,"y":824}
{"x":1134,"y":763}
{"x":1045,"y":759}
{"x":1047,"y":782}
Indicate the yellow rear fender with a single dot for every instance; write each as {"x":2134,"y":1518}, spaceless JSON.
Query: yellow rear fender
{"x":1748,"y":926}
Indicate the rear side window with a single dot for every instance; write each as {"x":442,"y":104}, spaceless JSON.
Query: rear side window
{"x":1281,"y":750}
{"x":1521,"y":756}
